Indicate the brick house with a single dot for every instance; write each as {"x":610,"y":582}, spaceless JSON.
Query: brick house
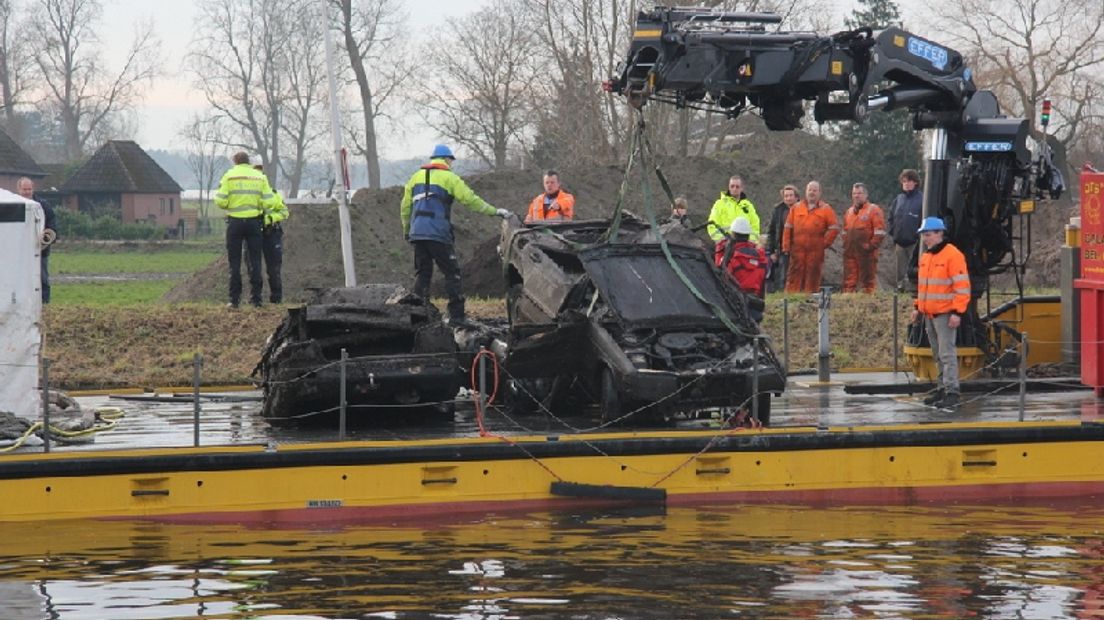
{"x":121,"y":179}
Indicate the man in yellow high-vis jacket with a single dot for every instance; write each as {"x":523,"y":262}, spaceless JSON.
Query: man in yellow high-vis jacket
{"x":244,"y":195}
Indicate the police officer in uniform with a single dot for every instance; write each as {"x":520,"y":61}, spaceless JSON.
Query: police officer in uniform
{"x":426,"y":213}
{"x":245,"y":195}
{"x":272,"y":244}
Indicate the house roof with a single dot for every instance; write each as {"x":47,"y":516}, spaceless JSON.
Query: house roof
{"x":121,"y":166}
{"x":14,"y":160}
{"x":55,"y":177}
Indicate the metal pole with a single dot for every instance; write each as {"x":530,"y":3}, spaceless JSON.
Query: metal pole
{"x":1023,"y":375}
{"x":341,"y":406}
{"x":896,"y":331}
{"x":786,"y":332}
{"x":45,"y":404}
{"x":483,"y":381}
{"x":755,"y":378}
{"x":339,"y":167}
{"x":197,"y":362}
{"x":824,"y":355}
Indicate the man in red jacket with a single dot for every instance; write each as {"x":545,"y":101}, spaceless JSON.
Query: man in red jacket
{"x":942,"y":297}
{"x":744,"y":261}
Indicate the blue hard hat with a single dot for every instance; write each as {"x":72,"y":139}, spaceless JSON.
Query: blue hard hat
{"x":931,"y":224}
{"x":442,"y":150}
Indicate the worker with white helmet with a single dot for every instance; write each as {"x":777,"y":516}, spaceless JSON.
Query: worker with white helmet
{"x":741,"y":259}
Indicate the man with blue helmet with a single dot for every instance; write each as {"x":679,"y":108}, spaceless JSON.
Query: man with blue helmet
{"x":942,"y":298}
{"x":426,"y":213}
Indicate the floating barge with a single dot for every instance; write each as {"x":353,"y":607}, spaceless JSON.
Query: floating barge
{"x":869,"y":462}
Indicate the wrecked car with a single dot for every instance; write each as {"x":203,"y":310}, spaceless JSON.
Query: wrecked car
{"x":399,"y":355}
{"x":603,"y":313}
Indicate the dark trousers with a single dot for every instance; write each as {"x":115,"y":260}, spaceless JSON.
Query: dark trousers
{"x":45,"y":277}
{"x":776,"y":281}
{"x":426,"y":253}
{"x":247,"y":230}
{"x":274,"y":260}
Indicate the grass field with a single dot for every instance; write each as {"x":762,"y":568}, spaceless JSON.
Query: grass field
{"x":147,"y":271}
{"x":103,"y":262}
{"x":113,"y":293}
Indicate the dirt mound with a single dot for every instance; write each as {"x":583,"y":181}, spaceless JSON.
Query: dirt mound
{"x":312,"y":251}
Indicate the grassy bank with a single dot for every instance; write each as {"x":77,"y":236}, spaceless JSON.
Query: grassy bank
{"x":143,"y":345}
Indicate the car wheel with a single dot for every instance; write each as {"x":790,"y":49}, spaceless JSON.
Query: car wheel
{"x":610,"y":399}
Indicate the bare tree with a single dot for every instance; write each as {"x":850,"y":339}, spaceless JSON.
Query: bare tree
{"x":372,"y":35}
{"x":478,"y":92}
{"x":1028,"y":49}
{"x":78,"y":88}
{"x":581,"y":42}
{"x":259,"y":65}
{"x":238,"y":61}
{"x":13,"y":57}
{"x":201,"y":137}
{"x":305,"y":91}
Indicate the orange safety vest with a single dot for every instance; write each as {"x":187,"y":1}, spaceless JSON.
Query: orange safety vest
{"x":944,"y":284}
{"x":564,"y":208}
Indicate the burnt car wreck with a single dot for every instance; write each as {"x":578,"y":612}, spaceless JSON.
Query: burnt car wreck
{"x":399,"y":356}
{"x":603,"y":314}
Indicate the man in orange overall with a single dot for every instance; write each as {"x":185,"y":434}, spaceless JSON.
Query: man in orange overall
{"x":863,"y":232}
{"x":554,"y":205}
{"x":810,"y":229}
{"x":942,"y":298}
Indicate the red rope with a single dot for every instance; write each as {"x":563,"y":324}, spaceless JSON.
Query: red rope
{"x":483,"y":432}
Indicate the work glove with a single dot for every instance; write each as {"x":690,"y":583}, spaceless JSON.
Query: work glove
{"x":267,"y":220}
{"x":503,"y":213}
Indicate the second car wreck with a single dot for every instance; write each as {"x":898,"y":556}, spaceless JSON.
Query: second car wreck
{"x":637,"y":329}
{"x":400,"y":356}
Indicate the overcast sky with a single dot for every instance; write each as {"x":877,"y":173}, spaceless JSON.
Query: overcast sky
{"x":171,"y":100}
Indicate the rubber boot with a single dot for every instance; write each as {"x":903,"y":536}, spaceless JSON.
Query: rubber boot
{"x":936,"y":397}
{"x":949,"y":402}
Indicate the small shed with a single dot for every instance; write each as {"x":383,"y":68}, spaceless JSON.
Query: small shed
{"x":122,"y":180}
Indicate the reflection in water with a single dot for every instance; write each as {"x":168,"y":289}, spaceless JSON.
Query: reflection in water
{"x":1001,"y":562}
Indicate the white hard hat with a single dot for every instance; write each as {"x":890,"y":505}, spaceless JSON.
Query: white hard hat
{"x":740,"y":226}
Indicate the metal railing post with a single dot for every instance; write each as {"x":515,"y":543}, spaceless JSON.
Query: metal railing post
{"x":786,"y":333}
{"x":341,"y":405}
{"x":1023,"y":375}
{"x":45,"y":405}
{"x":483,"y":381}
{"x":197,"y":363}
{"x":896,"y":331}
{"x":755,"y":379}
{"x":824,"y":353}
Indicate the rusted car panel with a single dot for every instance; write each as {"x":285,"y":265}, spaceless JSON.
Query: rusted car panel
{"x":622,"y":324}
{"x":399,"y":354}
